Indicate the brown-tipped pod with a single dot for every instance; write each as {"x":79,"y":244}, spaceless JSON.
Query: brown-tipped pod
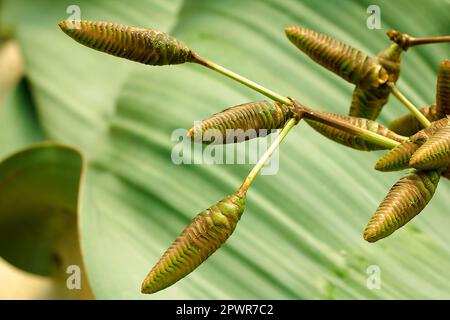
{"x":206,"y":233}
{"x":398,"y":158}
{"x":242,"y":122}
{"x":406,"y":199}
{"x":137,"y":44}
{"x":434,"y":153}
{"x":338,"y":57}
{"x":349,"y":139}
{"x":443,"y":87}
{"x":368,"y":102}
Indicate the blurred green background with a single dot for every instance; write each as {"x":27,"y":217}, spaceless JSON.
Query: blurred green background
{"x":301,"y":235}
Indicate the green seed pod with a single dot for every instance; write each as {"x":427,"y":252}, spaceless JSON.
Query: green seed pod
{"x":137,"y":44}
{"x":242,"y":122}
{"x":206,"y":233}
{"x":338,"y":57}
{"x":398,"y":158}
{"x":443,"y":87}
{"x":368,"y":102}
{"x":406,"y":199}
{"x":408,"y":125}
{"x":351,"y":140}
{"x":434,"y":153}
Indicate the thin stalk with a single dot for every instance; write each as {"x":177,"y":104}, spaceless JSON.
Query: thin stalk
{"x":364,"y":134}
{"x":418,"y":41}
{"x":251,"y":84}
{"x":258,"y":166}
{"x":408,"y":104}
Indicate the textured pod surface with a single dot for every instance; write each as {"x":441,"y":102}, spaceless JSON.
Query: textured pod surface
{"x":137,"y":44}
{"x":206,"y":233}
{"x":398,"y":158}
{"x":351,"y":140}
{"x":443,"y":87}
{"x":368,"y":102}
{"x":242,"y":122}
{"x":408,"y":125}
{"x":406,"y":199}
{"x":338,"y":57}
{"x":434,"y":153}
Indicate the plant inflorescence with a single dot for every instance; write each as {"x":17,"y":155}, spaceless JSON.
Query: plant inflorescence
{"x":419,"y":141}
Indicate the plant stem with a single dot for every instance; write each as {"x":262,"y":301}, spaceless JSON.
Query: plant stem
{"x":258,"y":166}
{"x":418,"y":41}
{"x":414,"y":111}
{"x":364,"y":134}
{"x":253,"y":85}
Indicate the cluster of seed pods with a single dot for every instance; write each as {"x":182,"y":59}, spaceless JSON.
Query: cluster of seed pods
{"x":426,"y":151}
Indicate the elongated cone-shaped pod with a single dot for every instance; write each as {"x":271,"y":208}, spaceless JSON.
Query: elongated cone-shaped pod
{"x":338,"y":57}
{"x":443,"y":88}
{"x":398,"y":158}
{"x":406,"y":199}
{"x":349,"y":139}
{"x":242,"y":122}
{"x":408,"y":125}
{"x":368,"y":102}
{"x":434,"y":153}
{"x":206,"y":233}
{"x":137,"y":44}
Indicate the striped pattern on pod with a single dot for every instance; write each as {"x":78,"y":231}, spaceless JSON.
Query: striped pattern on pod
{"x":206,"y":233}
{"x":406,"y":199}
{"x":368,"y":102}
{"x":434,"y":153}
{"x":137,"y":44}
{"x":398,"y":158}
{"x":408,"y":125}
{"x":351,"y":140}
{"x":242,"y":122}
{"x":338,"y":57}
{"x":443,"y":87}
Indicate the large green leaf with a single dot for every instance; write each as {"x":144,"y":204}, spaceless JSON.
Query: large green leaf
{"x":18,"y":120}
{"x":301,"y":235}
{"x":38,"y":205}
